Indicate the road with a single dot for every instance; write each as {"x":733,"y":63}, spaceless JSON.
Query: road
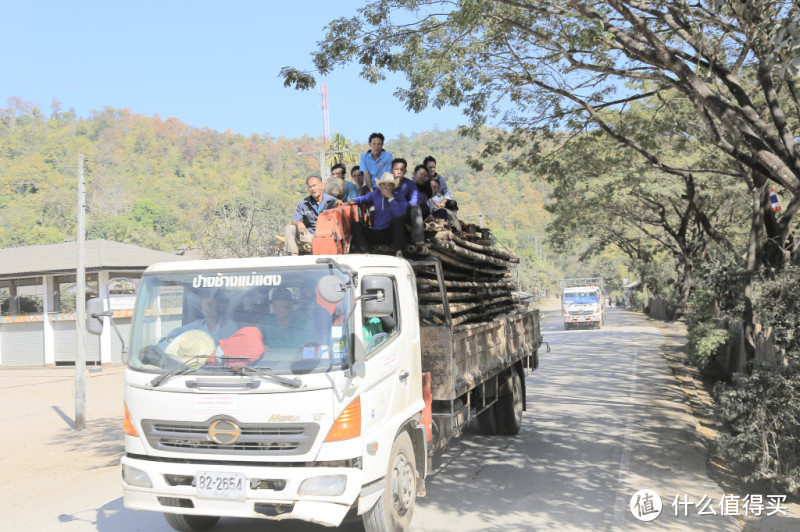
{"x":605,"y":419}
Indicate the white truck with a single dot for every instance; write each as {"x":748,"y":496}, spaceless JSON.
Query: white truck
{"x":233,"y":409}
{"x":583,"y":302}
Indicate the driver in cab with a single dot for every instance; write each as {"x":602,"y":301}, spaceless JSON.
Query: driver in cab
{"x":214,"y":322}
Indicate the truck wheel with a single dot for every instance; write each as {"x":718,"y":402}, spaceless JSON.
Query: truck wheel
{"x":191,"y":523}
{"x":566,"y":326}
{"x":509,"y":407}
{"x":393,"y":511}
{"x":487,"y":421}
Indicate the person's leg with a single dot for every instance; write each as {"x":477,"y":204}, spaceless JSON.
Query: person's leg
{"x":290,"y":245}
{"x":359,"y":244}
{"x":414,"y":218}
{"x":305,"y":238}
{"x":398,"y":231}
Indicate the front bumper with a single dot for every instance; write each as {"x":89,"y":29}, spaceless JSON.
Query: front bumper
{"x":593,"y":318}
{"x":270,"y":492}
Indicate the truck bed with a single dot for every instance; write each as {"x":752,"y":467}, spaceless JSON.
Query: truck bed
{"x":461,"y":358}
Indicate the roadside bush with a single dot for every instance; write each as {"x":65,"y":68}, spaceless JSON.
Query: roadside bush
{"x":704,"y":339}
{"x":777,"y":305}
{"x":760,"y":413}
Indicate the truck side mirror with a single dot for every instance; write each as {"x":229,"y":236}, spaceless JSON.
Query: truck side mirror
{"x":95,"y":314}
{"x":331,"y":289}
{"x":377,"y":294}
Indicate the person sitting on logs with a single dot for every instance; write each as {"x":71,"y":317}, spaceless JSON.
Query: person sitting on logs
{"x":376,"y":160}
{"x":424,"y":190}
{"x":408,"y":189}
{"x":430,"y":164}
{"x":337,"y":187}
{"x":358,"y":178}
{"x":388,"y":219}
{"x":304,"y":221}
{"x":436,"y":200}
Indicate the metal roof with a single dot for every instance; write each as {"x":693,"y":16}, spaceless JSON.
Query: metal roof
{"x":47,"y":259}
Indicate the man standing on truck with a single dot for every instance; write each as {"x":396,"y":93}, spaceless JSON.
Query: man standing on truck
{"x":304,"y":220}
{"x":388,"y":220}
{"x":376,"y":161}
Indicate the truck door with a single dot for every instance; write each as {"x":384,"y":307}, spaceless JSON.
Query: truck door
{"x":388,"y":358}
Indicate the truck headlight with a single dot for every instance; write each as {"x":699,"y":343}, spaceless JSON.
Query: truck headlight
{"x":328,"y":485}
{"x":135,"y":477}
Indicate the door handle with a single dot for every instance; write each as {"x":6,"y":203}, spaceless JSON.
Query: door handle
{"x":403,"y":376}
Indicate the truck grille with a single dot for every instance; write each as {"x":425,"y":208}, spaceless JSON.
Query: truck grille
{"x":581,"y":312}
{"x":274,"y":439}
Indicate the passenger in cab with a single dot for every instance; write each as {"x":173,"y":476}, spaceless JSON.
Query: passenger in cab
{"x":430,"y":164}
{"x":376,"y":161}
{"x":304,"y":220}
{"x":388,"y":218}
{"x":407,"y":190}
{"x":215,"y":321}
{"x":284,"y":328}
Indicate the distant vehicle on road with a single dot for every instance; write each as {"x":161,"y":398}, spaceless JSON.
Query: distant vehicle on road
{"x":582,"y":302}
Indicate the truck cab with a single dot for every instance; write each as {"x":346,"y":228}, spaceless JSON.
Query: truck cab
{"x":228,"y":401}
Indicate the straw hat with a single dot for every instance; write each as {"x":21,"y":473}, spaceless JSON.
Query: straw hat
{"x":387,"y":177}
{"x":336,"y":187}
{"x":190,"y":344}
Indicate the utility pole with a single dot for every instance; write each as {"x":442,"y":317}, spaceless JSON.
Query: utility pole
{"x":322,"y":155}
{"x":80,"y":303}
{"x":480,"y":216}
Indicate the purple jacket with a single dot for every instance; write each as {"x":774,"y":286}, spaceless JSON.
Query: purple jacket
{"x":385,"y":210}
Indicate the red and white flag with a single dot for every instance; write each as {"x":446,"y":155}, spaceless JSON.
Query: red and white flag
{"x":773,"y":198}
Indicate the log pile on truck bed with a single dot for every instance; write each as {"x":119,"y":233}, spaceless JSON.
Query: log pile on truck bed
{"x":476,"y":275}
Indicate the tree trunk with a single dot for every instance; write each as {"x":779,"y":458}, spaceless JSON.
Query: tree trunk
{"x":754,"y":249}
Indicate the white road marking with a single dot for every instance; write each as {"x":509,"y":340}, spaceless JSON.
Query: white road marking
{"x":621,"y":503}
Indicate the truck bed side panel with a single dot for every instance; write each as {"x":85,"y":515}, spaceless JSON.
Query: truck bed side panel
{"x":461,"y":361}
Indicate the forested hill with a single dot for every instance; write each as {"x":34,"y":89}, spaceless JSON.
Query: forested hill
{"x":164,"y":185}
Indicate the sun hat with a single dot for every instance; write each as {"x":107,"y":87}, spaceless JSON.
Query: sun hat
{"x":190,"y":344}
{"x":386,"y":177}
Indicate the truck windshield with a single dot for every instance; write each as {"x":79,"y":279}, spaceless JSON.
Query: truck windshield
{"x":216,"y":322}
{"x":581,"y":297}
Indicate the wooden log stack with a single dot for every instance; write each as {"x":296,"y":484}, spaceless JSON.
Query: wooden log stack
{"x":477,"y":275}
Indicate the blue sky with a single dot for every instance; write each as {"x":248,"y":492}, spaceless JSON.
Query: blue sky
{"x":208,"y":64}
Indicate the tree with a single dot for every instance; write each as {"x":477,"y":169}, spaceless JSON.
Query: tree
{"x":548,"y":66}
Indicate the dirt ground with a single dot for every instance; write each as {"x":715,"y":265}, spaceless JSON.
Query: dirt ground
{"x":699,"y":395}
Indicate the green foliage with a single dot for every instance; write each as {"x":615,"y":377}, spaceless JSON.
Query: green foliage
{"x":777,"y":305}
{"x":704,"y":341}
{"x":760,"y":413}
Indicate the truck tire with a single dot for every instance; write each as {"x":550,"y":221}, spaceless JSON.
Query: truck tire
{"x":394,"y":509}
{"x":509,"y":407}
{"x":566,"y":326}
{"x":191,"y":523}
{"x":487,"y":421}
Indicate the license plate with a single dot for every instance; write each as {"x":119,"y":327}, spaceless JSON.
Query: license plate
{"x":220,"y":485}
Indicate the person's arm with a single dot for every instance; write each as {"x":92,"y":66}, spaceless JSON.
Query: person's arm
{"x":366,"y":199}
{"x":444,"y":190}
{"x":298,"y":217}
{"x":363,"y":166}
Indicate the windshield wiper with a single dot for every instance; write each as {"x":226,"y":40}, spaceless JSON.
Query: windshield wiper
{"x":267,"y":372}
{"x":183,"y":369}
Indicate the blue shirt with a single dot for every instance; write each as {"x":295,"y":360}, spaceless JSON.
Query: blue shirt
{"x":307,"y":210}
{"x":385,"y":210}
{"x":352,"y":190}
{"x":444,"y":191}
{"x":376,"y":168}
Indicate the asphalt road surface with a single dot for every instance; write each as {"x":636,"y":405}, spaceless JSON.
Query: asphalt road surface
{"x":605,"y":419}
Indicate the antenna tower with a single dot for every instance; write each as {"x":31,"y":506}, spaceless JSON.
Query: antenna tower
{"x":326,"y":127}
